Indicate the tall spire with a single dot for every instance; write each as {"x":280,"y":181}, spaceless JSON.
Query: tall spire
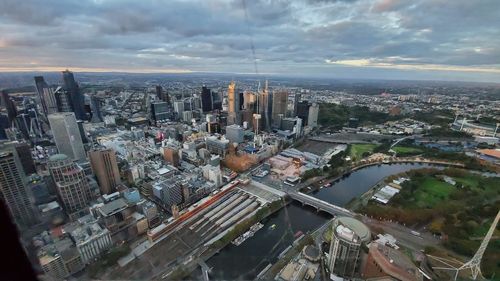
{"x":475,"y":263}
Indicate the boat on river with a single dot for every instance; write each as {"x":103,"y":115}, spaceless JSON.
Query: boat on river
{"x":253,"y":229}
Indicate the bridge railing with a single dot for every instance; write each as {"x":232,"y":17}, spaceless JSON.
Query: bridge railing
{"x":321,"y":203}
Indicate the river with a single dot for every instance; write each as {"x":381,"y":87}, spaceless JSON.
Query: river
{"x":247,"y":260}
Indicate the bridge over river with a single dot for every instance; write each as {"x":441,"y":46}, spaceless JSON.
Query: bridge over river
{"x":320,"y":205}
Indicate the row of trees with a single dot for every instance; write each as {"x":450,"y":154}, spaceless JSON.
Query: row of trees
{"x":462,"y":219}
{"x":337,"y":116}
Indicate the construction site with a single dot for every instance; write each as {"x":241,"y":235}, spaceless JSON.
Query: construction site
{"x":240,"y":163}
{"x":185,"y":238}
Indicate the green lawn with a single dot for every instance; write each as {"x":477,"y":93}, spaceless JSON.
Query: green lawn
{"x":431,"y":192}
{"x":463,"y":214}
{"x":471,"y":182}
{"x":357,"y":150}
{"x":406,"y":150}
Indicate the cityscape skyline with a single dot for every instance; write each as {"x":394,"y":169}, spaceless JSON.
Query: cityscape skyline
{"x":342,"y":39}
{"x":101,"y":176}
{"x":285,"y":140}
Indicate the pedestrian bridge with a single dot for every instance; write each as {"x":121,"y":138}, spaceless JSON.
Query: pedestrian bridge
{"x":320,"y":205}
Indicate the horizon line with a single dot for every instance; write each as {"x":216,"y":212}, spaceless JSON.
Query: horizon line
{"x":187,"y":72}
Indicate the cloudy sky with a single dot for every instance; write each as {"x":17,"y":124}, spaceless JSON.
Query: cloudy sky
{"x":389,"y":39}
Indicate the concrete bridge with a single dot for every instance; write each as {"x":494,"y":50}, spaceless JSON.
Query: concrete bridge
{"x":320,"y":205}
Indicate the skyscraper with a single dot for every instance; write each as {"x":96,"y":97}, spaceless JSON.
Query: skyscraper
{"x":46,"y":96}
{"x":13,"y":190}
{"x":24,"y":152}
{"x":171,"y":155}
{"x":231,"y":97}
{"x":159,"y":111}
{"x":206,"y":99}
{"x":105,"y":167}
{"x":10,"y":106}
{"x":162,"y":95}
{"x":265,"y":108}
{"x":67,"y":135}
{"x":76,"y":98}
{"x":347,"y":237}
{"x":296,"y":100}
{"x":95,"y":105}
{"x":280,"y":103}
{"x":249,"y":101}
{"x":4,"y":124}
{"x":303,"y":111}
{"x":71,"y":184}
{"x":312,"y":120}
{"x":62,"y":100}
{"x":234,"y":105}
{"x":216,"y":101}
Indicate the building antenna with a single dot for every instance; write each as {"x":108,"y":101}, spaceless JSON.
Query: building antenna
{"x":475,"y":263}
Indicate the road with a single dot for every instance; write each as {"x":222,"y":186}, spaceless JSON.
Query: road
{"x":403,"y":234}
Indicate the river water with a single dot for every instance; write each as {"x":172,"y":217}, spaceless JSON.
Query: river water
{"x":247,"y":260}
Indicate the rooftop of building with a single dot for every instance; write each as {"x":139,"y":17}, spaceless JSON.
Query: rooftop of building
{"x":58,"y":157}
{"x":64,"y":248}
{"x":351,"y":229}
{"x":394,"y":262}
{"x":490,"y":152}
{"x":311,"y":253}
{"x":85,"y":229}
{"x":113,"y":207}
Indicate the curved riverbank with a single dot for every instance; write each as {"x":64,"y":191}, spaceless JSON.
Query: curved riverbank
{"x":251,"y":257}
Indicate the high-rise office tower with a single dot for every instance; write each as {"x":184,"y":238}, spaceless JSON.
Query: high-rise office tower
{"x":232,"y":99}
{"x":196,"y":103}
{"x":67,"y":135}
{"x":46,"y":95}
{"x":162,"y":95}
{"x":303,"y":111}
{"x":24,"y":152}
{"x":179,"y":108}
{"x":13,"y":189}
{"x":347,"y":237}
{"x":296,"y":100}
{"x":234,"y":105}
{"x":280,"y":104}
{"x":265,"y":108}
{"x":171,"y":155}
{"x":240,"y":100}
{"x":105,"y":167}
{"x":216,"y":101}
{"x":206,"y":99}
{"x":62,"y":100}
{"x":159,"y":92}
{"x":188,"y":104}
{"x":10,"y":106}
{"x":257,"y":124}
{"x":159,"y":111}
{"x":95,"y":105}
{"x":249,"y":101}
{"x":71,"y":184}
{"x":76,"y":98}
{"x":312,"y":120}
{"x":4,"y":124}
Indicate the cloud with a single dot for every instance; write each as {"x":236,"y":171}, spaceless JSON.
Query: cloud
{"x":309,"y":36}
{"x":396,"y":63}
